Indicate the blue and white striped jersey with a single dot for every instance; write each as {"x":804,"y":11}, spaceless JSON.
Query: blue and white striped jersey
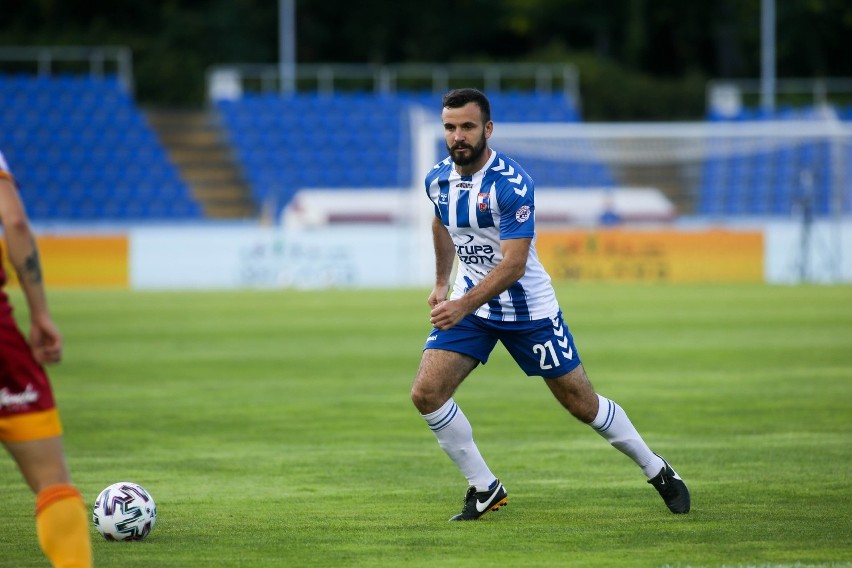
{"x":495,"y":203}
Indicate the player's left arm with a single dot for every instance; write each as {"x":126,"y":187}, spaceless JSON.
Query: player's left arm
{"x":45,"y":338}
{"x":445,"y":253}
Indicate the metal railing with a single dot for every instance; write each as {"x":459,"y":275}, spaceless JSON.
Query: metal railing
{"x":732,"y":94}
{"x":232,"y":80}
{"x":96,"y":61}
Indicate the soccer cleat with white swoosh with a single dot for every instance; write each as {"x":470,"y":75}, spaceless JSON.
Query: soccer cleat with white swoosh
{"x":477,"y":503}
{"x":672,"y":489}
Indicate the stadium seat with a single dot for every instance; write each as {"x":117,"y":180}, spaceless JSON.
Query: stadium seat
{"x":350,"y":139}
{"x":71,"y":139}
{"x":780,"y":174}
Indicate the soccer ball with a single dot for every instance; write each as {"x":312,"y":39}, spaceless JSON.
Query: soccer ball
{"x":124,"y":511}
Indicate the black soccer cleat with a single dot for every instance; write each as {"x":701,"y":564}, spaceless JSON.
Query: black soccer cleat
{"x":478,"y":503}
{"x":672,"y":489}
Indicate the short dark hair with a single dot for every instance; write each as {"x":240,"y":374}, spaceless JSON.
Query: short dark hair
{"x":457,"y":98}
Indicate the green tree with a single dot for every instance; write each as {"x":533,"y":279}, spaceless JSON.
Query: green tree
{"x":668,"y":47}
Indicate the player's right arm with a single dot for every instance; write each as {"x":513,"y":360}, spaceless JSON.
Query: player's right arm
{"x":45,"y":339}
{"x":445,"y":252}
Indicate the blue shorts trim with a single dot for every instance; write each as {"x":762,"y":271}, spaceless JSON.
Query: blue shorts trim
{"x":541,"y":348}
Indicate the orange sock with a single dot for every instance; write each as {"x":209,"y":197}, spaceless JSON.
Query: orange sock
{"x":62,"y":522}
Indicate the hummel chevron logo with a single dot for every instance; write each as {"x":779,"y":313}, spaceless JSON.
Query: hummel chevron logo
{"x":501,"y":165}
{"x":502,"y":168}
{"x":559,"y":332}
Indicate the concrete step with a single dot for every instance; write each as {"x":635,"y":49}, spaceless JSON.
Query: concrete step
{"x":197,"y":147}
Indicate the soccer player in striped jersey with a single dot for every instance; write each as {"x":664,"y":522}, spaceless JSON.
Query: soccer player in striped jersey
{"x":30,"y":428}
{"x":484,"y":206}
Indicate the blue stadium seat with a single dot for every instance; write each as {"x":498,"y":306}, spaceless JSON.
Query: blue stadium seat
{"x":350,"y":140}
{"x":72,"y":141}
{"x":779,"y":173}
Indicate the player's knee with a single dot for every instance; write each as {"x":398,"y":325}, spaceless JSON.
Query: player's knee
{"x":419,"y":398}
{"x":424,"y":399}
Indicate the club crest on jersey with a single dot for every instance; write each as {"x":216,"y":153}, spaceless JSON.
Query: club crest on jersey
{"x":523,"y":213}
{"x":482,"y":201}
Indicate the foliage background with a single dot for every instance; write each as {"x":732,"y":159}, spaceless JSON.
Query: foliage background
{"x":638,"y":59}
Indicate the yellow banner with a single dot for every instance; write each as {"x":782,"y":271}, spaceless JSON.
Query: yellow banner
{"x":652,"y":256}
{"x":80,"y":261}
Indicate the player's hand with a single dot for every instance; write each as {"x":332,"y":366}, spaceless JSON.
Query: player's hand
{"x":447,"y":314}
{"x":45,"y":341}
{"x":438,"y":295}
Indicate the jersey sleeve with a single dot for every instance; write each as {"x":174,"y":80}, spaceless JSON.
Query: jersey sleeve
{"x":517,"y":207}
{"x":431,"y":178}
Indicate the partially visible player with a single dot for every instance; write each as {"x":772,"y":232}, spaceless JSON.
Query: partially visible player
{"x":30,"y":428}
{"x":484,"y":204}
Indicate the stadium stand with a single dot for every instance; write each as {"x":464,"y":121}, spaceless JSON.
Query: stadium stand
{"x":776,"y":181}
{"x":82,"y":150}
{"x":347,"y":140}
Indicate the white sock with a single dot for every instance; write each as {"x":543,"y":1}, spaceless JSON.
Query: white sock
{"x":613,"y":424}
{"x":455,"y":437}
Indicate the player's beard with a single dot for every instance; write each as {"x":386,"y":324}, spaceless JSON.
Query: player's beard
{"x":476,"y":152}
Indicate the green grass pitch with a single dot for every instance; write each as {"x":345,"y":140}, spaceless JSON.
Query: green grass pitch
{"x":274,"y":428}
